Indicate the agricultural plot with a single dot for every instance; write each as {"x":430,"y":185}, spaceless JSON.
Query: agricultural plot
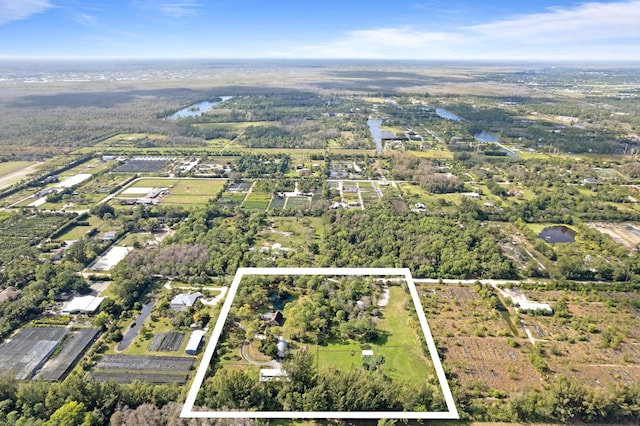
{"x":257,"y":201}
{"x":277,"y":202}
{"x":151,"y":369}
{"x":231,"y":199}
{"x":599,"y":334}
{"x":20,"y":230}
{"x":194,"y":191}
{"x":143,"y":165}
{"x":239,"y":187}
{"x":298,"y":203}
{"x":28,"y":350}
{"x":482,"y":344}
{"x":166,"y":342}
{"x":75,"y":343}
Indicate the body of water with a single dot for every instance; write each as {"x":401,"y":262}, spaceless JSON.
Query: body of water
{"x":443,"y":113}
{"x":198,"y":109}
{"x":376,"y":132}
{"x":558,"y":234}
{"x":486,"y":137}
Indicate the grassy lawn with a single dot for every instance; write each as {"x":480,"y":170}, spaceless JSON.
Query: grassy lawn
{"x":13,"y":166}
{"x":399,"y":346}
{"x":194,"y":191}
{"x":433,"y":154}
{"x":78,"y":232}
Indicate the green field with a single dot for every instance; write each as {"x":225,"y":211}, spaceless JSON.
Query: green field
{"x":257,"y":201}
{"x":13,"y":166}
{"x":183,"y":191}
{"x":399,"y":345}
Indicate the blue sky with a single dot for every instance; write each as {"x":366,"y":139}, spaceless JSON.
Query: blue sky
{"x":391,"y":29}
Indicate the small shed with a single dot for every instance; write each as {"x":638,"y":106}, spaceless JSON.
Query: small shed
{"x":193,"y":345}
{"x":269,"y":374}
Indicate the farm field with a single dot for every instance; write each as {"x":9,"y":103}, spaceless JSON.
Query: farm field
{"x":257,"y":201}
{"x":152,"y":369}
{"x":181,"y":191}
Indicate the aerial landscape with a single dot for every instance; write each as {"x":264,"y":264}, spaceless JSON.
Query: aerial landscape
{"x":373,"y":224}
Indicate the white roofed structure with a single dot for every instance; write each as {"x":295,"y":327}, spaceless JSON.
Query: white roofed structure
{"x":193,"y":345}
{"x":83,"y":305}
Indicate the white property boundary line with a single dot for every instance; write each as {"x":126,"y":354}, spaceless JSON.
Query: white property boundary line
{"x":187,"y":410}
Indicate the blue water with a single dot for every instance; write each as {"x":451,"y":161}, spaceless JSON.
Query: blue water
{"x":443,"y":113}
{"x":486,"y":137}
{"x":196,"y":110}
{"x":376,"y":132}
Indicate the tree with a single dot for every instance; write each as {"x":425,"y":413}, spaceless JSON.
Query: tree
{"x":71,"y":413}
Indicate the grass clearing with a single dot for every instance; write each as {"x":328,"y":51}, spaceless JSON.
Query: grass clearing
{"x":399,"y":345}
{"x":8,"y":167}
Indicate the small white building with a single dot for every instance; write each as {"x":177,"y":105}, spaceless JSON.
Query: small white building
{"x":269,"y":374}
{"x":193,"y":345}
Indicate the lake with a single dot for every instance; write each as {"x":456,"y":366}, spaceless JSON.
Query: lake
{"x":443,"y":113}
{"x":486,"y":137}
{"x":377,"y":133}
{"x":558,"y":234}
{"x":196,"y":110}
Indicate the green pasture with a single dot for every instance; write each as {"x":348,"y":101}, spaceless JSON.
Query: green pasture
{"x":399,"y":345}
{"x":257,"y":201}
{"x":13,"y":166}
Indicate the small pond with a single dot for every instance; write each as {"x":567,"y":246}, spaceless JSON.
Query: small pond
{"x":443,"y":113}
{"x":558,"y":234}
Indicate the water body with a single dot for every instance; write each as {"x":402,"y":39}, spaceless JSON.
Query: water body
{"x":558,"y":234}
{"x":486,"y":137}
{"x":133,"y":331}
{"x":196,"y":110}
{"x":448,"y":115}
{"x":376,"y":132}
{"x":511,"y":154}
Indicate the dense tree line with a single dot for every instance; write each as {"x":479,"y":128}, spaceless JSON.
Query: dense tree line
{"x":431,"y":246}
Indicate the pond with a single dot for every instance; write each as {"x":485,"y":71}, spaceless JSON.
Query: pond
{"x":558,"y":234}
{"x":486,"y":137}
{"x":377,"y":133}
{"x":443,"y":113}
{"x":196,"y":110}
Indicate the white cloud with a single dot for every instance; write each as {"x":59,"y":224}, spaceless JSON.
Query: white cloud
{"x":173,"y":9}
{"x":605,"y":31}
{"x":15,"y":10}
{"x":180,"y":9}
